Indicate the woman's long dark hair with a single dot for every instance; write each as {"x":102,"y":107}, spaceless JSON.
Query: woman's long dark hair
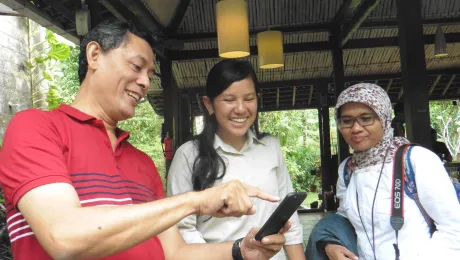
{"x":206,"y":164}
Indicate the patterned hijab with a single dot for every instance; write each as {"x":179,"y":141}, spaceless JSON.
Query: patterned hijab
{"x":377,"y":99}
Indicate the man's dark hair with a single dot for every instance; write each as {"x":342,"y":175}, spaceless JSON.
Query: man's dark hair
{"x":110,"y":34}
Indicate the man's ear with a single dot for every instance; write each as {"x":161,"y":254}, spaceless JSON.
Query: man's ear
{"x":208,"y":104}
{"x":93,"y":53}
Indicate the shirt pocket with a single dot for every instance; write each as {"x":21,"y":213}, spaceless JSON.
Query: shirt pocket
{"x":384,"y":207}
{"x":383,"y":212}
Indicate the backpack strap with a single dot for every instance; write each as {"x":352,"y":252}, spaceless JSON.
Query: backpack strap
{"x":347,"y":171}
{"x":410,"y":186}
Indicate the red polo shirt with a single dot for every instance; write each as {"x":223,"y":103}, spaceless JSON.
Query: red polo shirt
{"x":66,"y":145}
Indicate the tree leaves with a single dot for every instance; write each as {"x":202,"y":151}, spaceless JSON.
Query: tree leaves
{"x":54,"y":98}
{"x":60,"y":51}
{"x":445,"y":119}
{"x":299,"y":138}
{"x":43,"y":56}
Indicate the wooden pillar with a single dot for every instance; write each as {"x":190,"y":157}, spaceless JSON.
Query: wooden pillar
{"x":414,"y":75}
{"x":325,"y":142}
{"x":339,"y":80}
{"x":94,"y":11}
{"x":185,"y":130}
{"x":168,"y":86}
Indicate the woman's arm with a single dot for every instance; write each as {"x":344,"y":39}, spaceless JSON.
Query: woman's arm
{"x":438,"y":197}
{"x":295,"y":251}
{"x":294,"y":237}
{"x":341,"y":189}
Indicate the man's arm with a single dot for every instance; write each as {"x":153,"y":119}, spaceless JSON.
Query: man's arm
{"x":68,"y":231}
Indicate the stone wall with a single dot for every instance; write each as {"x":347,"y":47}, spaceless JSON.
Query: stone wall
{"x":15,"y":75}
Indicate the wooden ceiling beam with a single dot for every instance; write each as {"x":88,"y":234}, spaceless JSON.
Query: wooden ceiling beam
{"x":132,"y":11}
{"x":310,"y":95}
{"x":435,"y":83}
{"x":277,"y":97}
{"x":314,"y":47}
{"x":363,"y":11}
{"x":261,"y":100}
{"x":310,"y":82}
{"x":448,"y":85}
{"x":390,"y":82}
{"x":401,"y":91}
{"x":294,"y":90}
{"x":344,"y":13}
{"x":320,"y":27}
{"x":181,"y":9}
{"x":69,"y":15}
{"x":28,"y":9}
{"x":143,"y":15}
{"x":198,"y":101}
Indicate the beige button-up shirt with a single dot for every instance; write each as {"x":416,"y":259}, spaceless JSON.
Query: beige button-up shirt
{"x":259,"y":163}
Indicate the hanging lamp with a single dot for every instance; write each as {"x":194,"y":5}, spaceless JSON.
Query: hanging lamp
{"x":270,"y":49}
{"x":440,"y":45}
{"x":232,"y":28}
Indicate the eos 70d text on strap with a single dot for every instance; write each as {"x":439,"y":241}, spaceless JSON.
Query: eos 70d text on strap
{"x":397,"y":195}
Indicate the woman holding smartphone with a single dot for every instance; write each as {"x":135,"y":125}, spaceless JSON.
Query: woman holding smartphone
{"x":231,"y":148}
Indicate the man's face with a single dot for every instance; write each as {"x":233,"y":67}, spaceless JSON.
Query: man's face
{"x":123,"y":77}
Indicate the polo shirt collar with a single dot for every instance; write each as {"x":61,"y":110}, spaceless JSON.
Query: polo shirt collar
{"x":82,"y":117}
{"x":75,"y":113}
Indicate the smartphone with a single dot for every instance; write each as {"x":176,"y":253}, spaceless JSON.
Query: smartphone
{"x":282,"y":214}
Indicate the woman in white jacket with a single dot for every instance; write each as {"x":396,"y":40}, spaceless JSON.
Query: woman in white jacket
{"x":363,"y":114}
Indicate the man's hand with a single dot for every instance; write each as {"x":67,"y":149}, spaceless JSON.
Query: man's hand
{"x":251,"y":249}
{"x":338,"y":252}
{"x":231,"y":199}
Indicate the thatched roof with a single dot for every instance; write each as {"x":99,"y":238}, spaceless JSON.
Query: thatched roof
{"x":186,"y":31}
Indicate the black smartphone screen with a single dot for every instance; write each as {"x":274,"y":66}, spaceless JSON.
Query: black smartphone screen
{"x":282,"y":214}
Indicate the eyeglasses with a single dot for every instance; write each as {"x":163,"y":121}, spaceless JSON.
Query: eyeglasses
{"x":362,"y":120}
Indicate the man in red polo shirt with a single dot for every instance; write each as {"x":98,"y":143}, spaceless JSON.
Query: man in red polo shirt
{"x":76,"y":188}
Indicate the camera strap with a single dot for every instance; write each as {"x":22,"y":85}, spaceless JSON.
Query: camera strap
{"x":397,"y":194}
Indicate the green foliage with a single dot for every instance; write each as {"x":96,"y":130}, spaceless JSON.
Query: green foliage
{"x":43,"y":55}
{"x":66,"y":84}
{"x":58,"y":50}
{"x":303,"y":164}
{"x":445,"y":119}
{"x":298,"y":133}
{"x":145,"y":134}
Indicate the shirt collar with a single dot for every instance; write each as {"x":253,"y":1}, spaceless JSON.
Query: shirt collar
{"x":75,"y":113}
{"x":251,"y":138}
{"x":82,"y":117}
